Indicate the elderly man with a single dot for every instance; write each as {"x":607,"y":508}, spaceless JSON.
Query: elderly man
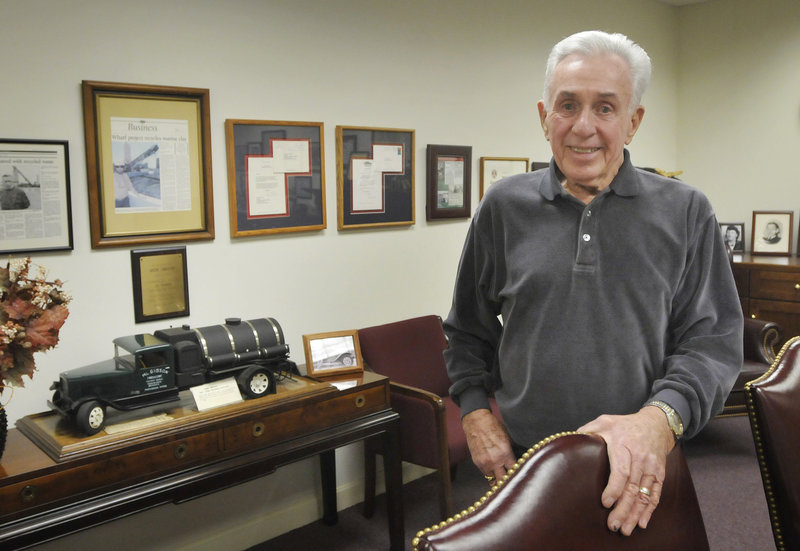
{"x":591,"y":295}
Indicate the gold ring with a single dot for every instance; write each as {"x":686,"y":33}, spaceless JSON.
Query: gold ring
{"x":644,"y":491}
{"x":490,"y":479}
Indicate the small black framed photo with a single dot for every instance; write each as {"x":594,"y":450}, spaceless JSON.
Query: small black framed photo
{"x":449,"y":181}
{"x":160,"y":283}
{"x":772,"y":232}
{"x":733,"y":235}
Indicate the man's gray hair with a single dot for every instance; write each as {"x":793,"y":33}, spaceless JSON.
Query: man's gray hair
{"x":590,"y":43}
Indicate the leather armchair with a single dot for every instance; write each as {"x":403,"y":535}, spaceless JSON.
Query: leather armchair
{"x":551,"y":500}
{"x":760,"y":338}
{"x":773,"y":405}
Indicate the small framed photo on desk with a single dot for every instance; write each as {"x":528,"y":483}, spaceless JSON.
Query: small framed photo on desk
{"x":772,"y":232}
{"x":332,"y":354}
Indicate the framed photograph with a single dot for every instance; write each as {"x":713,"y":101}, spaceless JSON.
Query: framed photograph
{"x":772,"y":232}
{"x":733,"y":234}
{"x":276,"y":176}
{"x":374,"y":177}
{"x":35,"y":207}
{"x":148,"y":163}
{"x":160,"y":283}
{"x":335,"y":353}
{"x":449,"y":177}
{"x":538,"y":165}
{"x":497,"y":168}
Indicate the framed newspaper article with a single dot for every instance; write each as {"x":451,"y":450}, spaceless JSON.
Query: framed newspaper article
{"x":276,"y":176}
{"x":148,"y":163}
{"x":375,"y":177}
{"x":449,"y":181}
{"x":35,"y":208}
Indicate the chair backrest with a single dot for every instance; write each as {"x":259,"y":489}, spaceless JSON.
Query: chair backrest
{"x":773,"y":403}
{"x":408,"y":352}
{"x":551,"y":500}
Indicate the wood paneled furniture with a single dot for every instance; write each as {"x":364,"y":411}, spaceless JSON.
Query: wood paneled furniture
{"x":769,"y":288}
{"x":53,"y":482}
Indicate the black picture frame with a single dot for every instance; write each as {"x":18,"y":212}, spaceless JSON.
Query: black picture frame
{"x":374,"y":189}
{"x":733,"y":235}
{"x":35,"y":202}
{"x":302,"y":191}
{"x":160,"y":283}
{"x":449,"y":177}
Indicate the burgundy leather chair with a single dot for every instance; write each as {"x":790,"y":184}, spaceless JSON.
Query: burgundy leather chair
{"x":773,"y":404}
{"x":409,"y":352}
{"x":760,"y":338}
{"x":551,"y":500}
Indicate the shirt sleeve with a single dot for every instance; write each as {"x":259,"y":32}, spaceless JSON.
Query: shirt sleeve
{"x":704,"y":354}
{"x":472,"y":327}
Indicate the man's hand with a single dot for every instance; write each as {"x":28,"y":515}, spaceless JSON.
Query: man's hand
{"x":638,"y":445}
{"x":488,"y":443}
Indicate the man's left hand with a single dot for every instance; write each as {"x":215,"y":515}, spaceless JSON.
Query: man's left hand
{"x":638,"y":445}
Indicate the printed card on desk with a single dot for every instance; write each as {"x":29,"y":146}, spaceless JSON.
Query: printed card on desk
{"x":217,"y":393}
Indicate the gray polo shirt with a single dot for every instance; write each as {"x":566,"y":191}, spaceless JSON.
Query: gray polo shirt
{"x":566,"y":311}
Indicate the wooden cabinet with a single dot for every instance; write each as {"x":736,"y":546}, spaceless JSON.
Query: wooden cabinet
{"x":769,"y":288}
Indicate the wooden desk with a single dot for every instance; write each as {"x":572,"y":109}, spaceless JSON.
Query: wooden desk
{"x":78,"y":483}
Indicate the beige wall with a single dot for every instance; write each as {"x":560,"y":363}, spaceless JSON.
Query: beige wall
{"x":458,"y":72}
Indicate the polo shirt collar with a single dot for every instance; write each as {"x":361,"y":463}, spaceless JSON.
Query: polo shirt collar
{"x":625,"y":183}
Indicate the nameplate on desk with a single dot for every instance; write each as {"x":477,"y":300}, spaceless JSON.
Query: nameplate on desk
{"x":216,"y":394}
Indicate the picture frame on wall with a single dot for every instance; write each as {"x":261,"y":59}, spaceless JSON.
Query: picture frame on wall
{"x":497,"y":168}
{"x":148,"y":161}
{"x":733,"y":235}
{"x":772,"y":232}
{"x":276,"y":176}
{"x":35,"y":203}
{"x":374,"y":177}
{"x":333,"y":353}
{"x":449,"y":175}
{"x":160,"y":283}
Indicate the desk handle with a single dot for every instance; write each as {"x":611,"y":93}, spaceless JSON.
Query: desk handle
{"x":258,"y":429}
{"x":360,"y":401}
{"x":28,"y":493}
{"x":181,"y":450}
{"x":797,"y":286}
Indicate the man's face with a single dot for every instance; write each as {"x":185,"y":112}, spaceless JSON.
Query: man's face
{"x":731,"y":235}
{"x":589,"y":123}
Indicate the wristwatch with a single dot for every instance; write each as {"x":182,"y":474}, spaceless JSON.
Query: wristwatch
{"x":674,"y":420}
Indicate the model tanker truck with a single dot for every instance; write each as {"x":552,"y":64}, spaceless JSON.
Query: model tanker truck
{"x":149,"y":369}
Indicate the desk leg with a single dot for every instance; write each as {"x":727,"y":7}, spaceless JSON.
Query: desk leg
{"x":393,"y":472}
{"x":327,"y":463}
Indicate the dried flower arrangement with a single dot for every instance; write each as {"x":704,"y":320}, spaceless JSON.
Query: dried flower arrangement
{"x":32,"y":311}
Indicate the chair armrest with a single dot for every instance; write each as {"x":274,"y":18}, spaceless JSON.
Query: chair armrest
{"x":414,"y":392}
{"x":760,"y":338}
{"x":423,"y":424}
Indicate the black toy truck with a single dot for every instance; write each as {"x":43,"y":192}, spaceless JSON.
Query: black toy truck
{"x":149,"y":369}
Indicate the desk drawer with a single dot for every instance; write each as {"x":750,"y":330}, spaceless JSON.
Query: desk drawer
{"x":283,"y":425}
{"x":775,"y":285}
{"x":94,"y":478}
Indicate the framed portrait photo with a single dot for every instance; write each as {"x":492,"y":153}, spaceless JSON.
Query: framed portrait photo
{"x":733,"y":235}
{"x":35,"y":207}
{"x":148,"y":163}
{"x":449,"y":181}
{"x":276,"y":176}
{"x":333,"y":353}
{"x":497,"y":168}
{"x":772,"y":232}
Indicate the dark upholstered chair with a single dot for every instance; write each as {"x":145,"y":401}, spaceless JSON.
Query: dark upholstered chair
{"x":551,"y":500}
{"x":773,"y":403}
{"x":409,"y":352}
{"x":760,"y":338}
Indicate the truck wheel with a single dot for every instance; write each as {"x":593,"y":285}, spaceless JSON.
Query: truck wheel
{"x":258,"y":382}
{"x":91,"y":417}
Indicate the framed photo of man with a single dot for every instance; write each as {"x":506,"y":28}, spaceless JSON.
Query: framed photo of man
{"x":733,"y":235}
{"x":772,"y":232}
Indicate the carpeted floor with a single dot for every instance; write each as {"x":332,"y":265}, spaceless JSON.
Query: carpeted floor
{"x":723,"y":465}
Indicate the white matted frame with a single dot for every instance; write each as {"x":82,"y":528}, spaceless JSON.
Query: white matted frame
{"x":333,"y":353}
{"x":772,"y":232}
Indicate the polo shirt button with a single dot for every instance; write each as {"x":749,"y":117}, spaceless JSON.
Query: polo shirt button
{"x":587,"y":237}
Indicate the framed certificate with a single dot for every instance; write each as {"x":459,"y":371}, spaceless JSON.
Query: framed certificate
{"x":375,"y":177}
{"x":497,"y":168}
{"x":276,"y":176}
{"x":148,"y":161}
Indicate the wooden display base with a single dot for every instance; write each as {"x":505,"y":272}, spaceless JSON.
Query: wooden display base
{"x":57,"y":436}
